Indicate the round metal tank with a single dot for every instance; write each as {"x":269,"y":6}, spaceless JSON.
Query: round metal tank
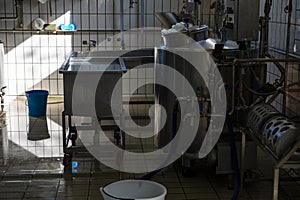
{"x":280,"y":133}
{"x":258,"y":115}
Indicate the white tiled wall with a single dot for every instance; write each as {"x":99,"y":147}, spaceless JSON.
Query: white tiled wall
{"x":278,"y":26}
{"x":277,"y":35}
{"x":32,"y":60}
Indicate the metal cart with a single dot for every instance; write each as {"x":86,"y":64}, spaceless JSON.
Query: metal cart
{"x":79,"y":70}
{"x":92,"y":66}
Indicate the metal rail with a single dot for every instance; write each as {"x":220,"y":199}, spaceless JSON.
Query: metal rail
{"x":289,"y":94}
{"x":252,"y":61}
{"x":19,"y":13}
{"x":287,"y":49}
{"x":279,"y":162}
{"x":56,"y":31}
{"x":16,"y":17}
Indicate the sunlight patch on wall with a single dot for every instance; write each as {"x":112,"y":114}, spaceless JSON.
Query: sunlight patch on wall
{"x":34,"y":62}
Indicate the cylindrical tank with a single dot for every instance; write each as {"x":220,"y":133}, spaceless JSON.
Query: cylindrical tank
{"x":280,"y":133}
{"x":257,"y":117}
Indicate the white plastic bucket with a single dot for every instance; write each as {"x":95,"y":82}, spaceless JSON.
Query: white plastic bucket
{"x":134,"y":190}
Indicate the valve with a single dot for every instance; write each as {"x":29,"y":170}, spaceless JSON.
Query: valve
{"x":131,"y":3}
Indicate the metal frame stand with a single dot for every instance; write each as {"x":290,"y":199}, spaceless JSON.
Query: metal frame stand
{"x":284,"y":162}
{"x":70,"y":134}
{"x":243,"y":153}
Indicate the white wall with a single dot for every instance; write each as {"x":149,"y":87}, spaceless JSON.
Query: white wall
{"x":32,"y":60}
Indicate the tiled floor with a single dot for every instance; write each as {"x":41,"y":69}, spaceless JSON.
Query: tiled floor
{"x":34,"y":170}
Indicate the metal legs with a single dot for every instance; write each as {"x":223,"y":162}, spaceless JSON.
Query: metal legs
{"x":243,"y":150}
{"x":276,"y":183}
{"x":64,"y":131}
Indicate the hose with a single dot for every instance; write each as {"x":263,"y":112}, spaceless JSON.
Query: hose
{"x":259,"y":93}
{"x":234,"y":158}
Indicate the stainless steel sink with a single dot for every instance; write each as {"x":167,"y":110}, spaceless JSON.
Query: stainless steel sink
{"x":98,"y":60}
{"x":104,"y":64}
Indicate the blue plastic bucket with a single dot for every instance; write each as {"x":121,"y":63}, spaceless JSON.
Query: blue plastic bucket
{"x":37,"y":102}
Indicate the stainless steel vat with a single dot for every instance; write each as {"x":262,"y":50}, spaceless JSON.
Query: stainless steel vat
{"x":109,"y":65}
{"x":90,"y":67}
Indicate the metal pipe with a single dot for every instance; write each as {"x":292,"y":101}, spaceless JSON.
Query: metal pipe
{"x":275,"y":183}
{"x":258,"y":100}
{"x":16,"y":17}
{"x":283,"y":161}
{"x":267,"y":18}
{"x":233,"y":86}
{"x":261,"y":60}
{"x":50,"y":7}
{"x":241,"y":86}
{"x":234,"y":158}
{"x":251,"y":60}
{"x":273,"y":97}
{"x":262,"y":22}
{"x":122,"y":24}
{"x":290,"y":95}
{"x":264,"y":38}
{"x":283,"y":52}
{"x":243,"y":158}
{"x":201,"y":13}
{"x":196,"y":13}
{"x":57,"y":32}
{"x":142,"y":17}
{"x":20,"y":11}
{"x":280,"y":68}
{"x":287,"y":50}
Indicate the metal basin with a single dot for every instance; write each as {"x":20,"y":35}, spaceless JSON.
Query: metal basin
{"x":93,"y":65}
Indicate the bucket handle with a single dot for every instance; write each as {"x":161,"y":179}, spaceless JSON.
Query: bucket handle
{"x":105,"y":193}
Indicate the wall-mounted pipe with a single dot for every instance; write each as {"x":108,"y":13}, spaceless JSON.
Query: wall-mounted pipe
{"x":264,"y":23}
{"x":18,"y":15}
{"x":234,"y":158}
{"x":291,"y":55}
{"x":142,"y":16}
{"x":280,"y":68}
{"x":50,"y":8}
{"x":20,"y":11}
{"x":122,"y":27}
{"x":287,"y":48}
{"x":289,"y":94}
